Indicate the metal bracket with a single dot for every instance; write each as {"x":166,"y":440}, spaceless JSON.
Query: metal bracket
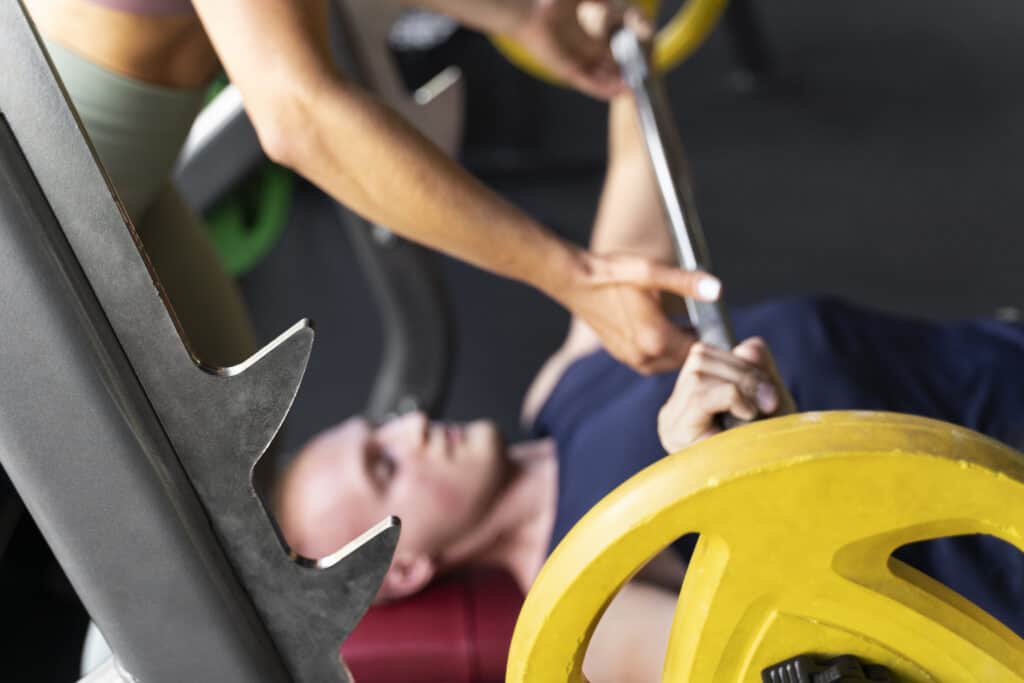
{"x":219,"y":421}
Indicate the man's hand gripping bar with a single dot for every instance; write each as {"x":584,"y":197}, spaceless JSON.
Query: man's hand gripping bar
{"x":672,"y":173}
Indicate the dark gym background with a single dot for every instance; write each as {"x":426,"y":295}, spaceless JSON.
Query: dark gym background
{"x":881,"y":162}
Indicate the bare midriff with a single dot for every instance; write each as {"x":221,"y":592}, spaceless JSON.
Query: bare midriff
{"x":167,"y":50}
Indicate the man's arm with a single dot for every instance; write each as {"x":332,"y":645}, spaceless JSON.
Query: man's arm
{"x":630,"y":220}
{"x":364,"y":155}
{"x":630,"y":641}
{"x":630,"y":217}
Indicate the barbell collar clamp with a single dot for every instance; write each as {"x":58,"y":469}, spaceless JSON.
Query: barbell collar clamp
{"x":842,"y":669}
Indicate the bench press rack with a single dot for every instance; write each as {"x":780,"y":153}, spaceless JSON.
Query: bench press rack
{"x":106,"y":412}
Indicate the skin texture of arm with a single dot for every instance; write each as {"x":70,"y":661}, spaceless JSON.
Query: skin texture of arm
{"x":629,"y":217}
{"x":358,"y":150}
{"x":367,"y":157}
{"x":629,"y":220}
{"x":630,"y":641}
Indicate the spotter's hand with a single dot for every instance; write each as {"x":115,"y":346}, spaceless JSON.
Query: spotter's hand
{"x":570,"y":37}
{"x":618,"y":297}
{"x":744,"y":382}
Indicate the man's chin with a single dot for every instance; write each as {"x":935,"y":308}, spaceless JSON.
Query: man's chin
{"x":488,"y":444}
{"x":484,"y":437}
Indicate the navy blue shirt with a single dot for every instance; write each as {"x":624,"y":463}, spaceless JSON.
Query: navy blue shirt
{"x":832,"y":356}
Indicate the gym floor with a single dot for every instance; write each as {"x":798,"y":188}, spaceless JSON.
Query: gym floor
{"x":880,"y":162}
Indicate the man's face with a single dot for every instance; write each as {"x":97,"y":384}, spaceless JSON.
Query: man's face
{"x":439,"y":478}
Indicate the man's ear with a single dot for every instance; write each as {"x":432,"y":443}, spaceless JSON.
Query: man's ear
{"x":408,"y":574}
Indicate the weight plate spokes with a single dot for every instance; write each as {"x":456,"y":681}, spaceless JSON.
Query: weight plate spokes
{"x":798,"y":518}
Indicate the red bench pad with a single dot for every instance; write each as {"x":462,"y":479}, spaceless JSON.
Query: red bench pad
{"x":458,"y":630}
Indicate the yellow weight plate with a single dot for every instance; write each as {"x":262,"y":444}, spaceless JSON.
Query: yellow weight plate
{"x":676,"y":41}
{"x":798,"y":519}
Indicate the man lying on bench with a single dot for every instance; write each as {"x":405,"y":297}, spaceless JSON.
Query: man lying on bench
{"x":467,"y":498}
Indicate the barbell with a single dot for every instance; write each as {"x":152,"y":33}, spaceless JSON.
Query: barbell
{"x":798,"y":519}
{"x":675,"y":42}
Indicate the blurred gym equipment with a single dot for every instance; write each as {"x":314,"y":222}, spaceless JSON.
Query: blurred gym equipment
{"x":408,"y":293}
{"x":194,"y":583}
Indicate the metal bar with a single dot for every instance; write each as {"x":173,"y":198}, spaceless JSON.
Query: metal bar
{"x":219,"y":421}
{"x":668,"y":159}
{"x":672,"y":172}
{"x":89,"y":458}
